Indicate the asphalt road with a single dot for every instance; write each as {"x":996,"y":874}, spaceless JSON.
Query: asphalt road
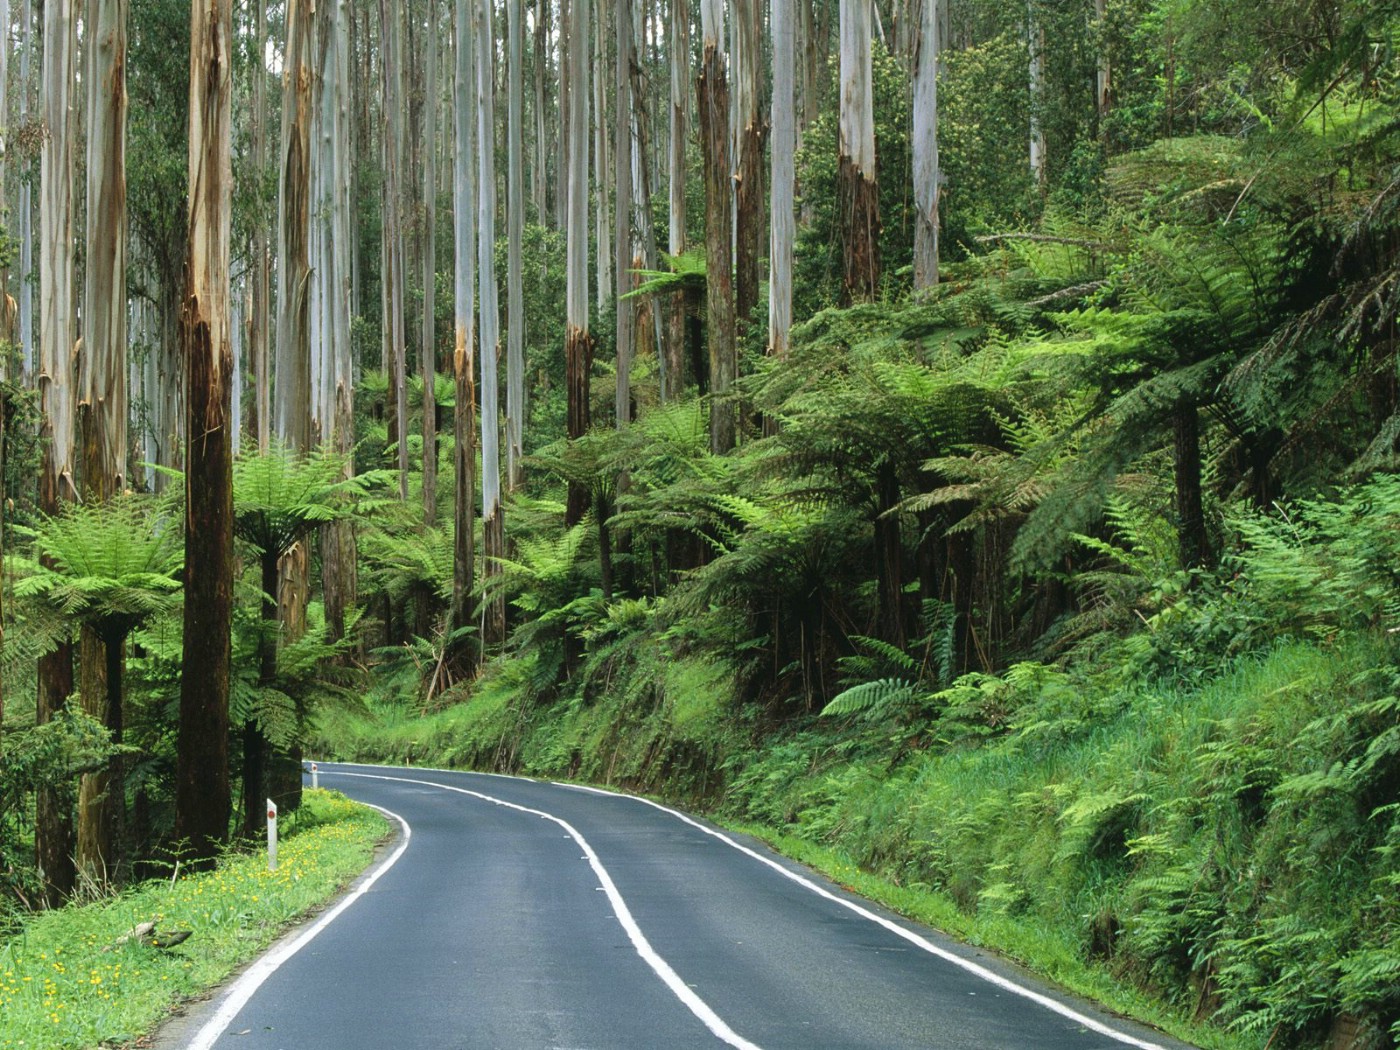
{"x":524,"y":915}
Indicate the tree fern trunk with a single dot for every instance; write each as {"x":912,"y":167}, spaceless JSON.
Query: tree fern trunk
{"x":1193,"y":539}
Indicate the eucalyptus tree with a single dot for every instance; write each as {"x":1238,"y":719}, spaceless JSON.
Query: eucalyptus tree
{"x":748,"y":158}
{"x":578,"y":343}
{"x":713,"y":91}
{"x":292,"y":411}
{"x":25,"y":205}
{"x":1035,"y":44}
{"x":6,"y":307}
{"x":539,"y":169}
{"x":260,"y":282}
{"x":428,"y":348}
{"x":515,"y":222}
{"x":859,"y":192}
{"x":783,"y":178}
{"x":600,"y":155}
{"x":492,"y":515}
{"x":56,"y":342}
{"x":622,"y":229}
{"x":102,"y":398}
{"x":927,"y":175}
{"x":202,"y":795}
{"x":464,"y":334}
{"x":673,"y":374}
{"x":392,"y":248}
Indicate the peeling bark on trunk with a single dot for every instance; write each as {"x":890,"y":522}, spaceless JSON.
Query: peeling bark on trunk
{"x":54,"y":831}
{"x":859,"y":195}
{"x":578,"y":344}
{"x":713,"y":92}
{"x":102,"y":409}
{"x":202,"y":787}
{"x":462,"y":657}
{"x":492,"y":513}
{"x":393,"y":251}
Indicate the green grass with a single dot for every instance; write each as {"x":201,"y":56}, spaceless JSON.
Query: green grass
{"x":67,"y":983}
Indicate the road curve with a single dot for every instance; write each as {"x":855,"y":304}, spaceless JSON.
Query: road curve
{"x":523,"y":915}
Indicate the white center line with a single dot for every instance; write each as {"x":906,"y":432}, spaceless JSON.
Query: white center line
{"x":660,"y":966}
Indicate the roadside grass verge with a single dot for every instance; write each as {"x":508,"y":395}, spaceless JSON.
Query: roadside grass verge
{"x":68,"y":981}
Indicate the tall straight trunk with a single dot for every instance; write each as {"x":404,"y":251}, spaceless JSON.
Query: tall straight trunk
{"x":7,"y":304}
{"x":673,"y":372}
{"x":515,"y":223}
{"x":1035,"y":44}
{"x":578,"y":343}
{"x":859,"y":194}
{"x":1103,"y":77}
{"x":427,"y":353}
{"x":259,"y":320}
{"x":601,"y":228}
{"x":539,"y":171}
{"x":813,"y":52}
{"x":102,"y":397}
{"x":622,"y":228}
{"x":391,"y":62}
{"x":26,"y":205}
{"x":338,"y":573}
{"x":570,"y":93}
{"x":492,"y":515}
{"x":1192,"y":538}
{"x":54,"y":830}
{"x":464,"y":329}
{"x":713,"y":92}
{"x":647,"y":326}
{"x":202,"y":793}
{"x":748,"y":162}
{"x":927,"y":175}
{"x":784,"y":145}
{"x":293,"y":392}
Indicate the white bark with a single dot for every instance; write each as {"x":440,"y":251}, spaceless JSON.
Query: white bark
{"x":486,"y":265}
{"x":602,"y":223}
{"x":857,"y":122}
{"x":56,"y":329}
{"x":1035,"y":41}
{"x":927,"y":174}
{"x":26,"y":206}
{"x":427,"y":364}
{"x":102,"y":363}
{"x":515,"y":209}
{"x":393,"y":249}
{"x":576,"y":251}
{"x":680,"y":96}
{"x":293,"y":388}
{"x":783,"y":146}
{"x":622,"y":233}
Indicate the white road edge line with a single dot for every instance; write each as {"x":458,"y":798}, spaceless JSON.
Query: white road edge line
{"x":909,"y":935}
{"x":253,"y":977}
{"x":660,"y":966}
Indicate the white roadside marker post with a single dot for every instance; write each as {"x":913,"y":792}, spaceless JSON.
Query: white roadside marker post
{"x":315,"y":780}
{"x":271,"y":835}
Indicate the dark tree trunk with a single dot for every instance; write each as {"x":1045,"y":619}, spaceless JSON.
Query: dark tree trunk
{"x":889,"y":548}
{"x":860,"y":210}
{"x":713,"y":92}
{"x":749,"y":228}
{"x":578,"y":364}
{"x":54,"y":840}
{"x":1194,"y":542}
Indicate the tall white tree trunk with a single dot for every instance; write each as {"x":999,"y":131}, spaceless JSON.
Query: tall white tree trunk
{"x":260,"y":300}
{"x":927,"y":175}
{"x":293,"y":390}
{"x":427,"y":364}
{"x":515,"y":219}
{"x":393,"y":247}
{"x":783,"y":145}
{"x":26,"y":205}
{"x":622,"y":232}
{"x":578,"y":343}
{"x":602,"y":225}
{"x":673,"y":370}
{"x":492,"y":521}
{"x":860,"y":199}
{"x":1035,"y":42}
{"x":464,"y":324}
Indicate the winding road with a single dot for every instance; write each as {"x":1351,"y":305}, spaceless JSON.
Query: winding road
{"x":524,"y":915}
